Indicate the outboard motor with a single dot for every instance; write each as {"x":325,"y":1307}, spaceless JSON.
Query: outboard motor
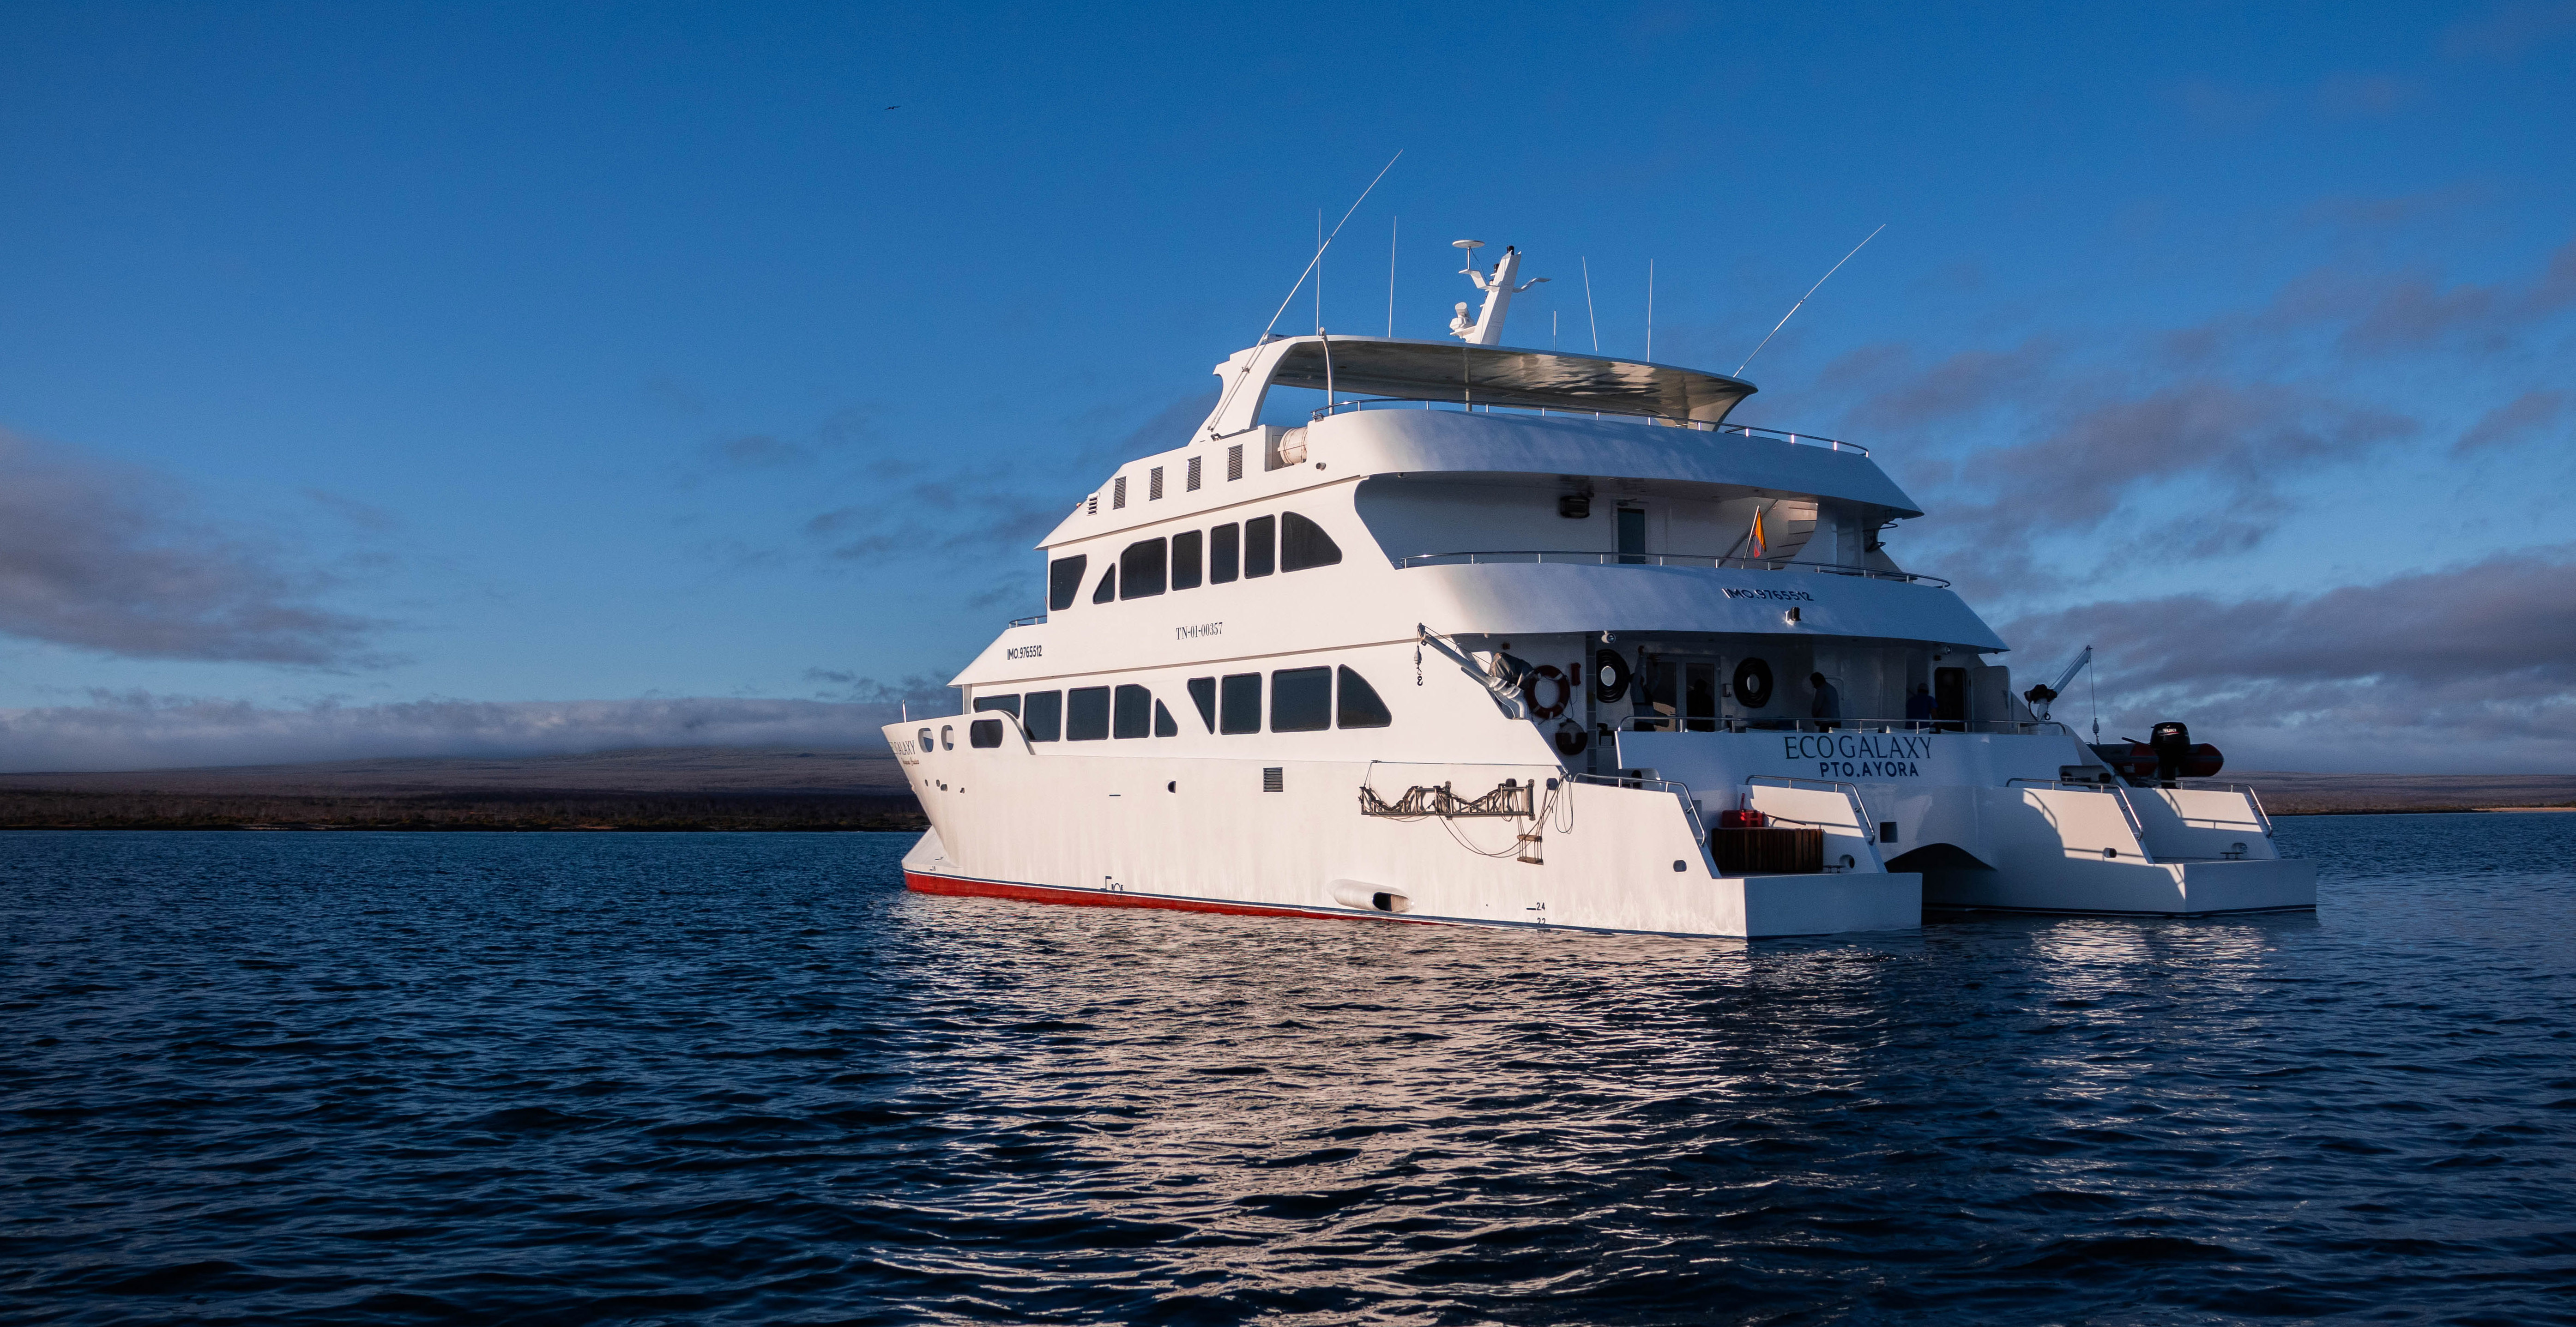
{"x":2172,"y":744}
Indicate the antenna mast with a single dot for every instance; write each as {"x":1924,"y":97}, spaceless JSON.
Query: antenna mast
{"x":1811,"y":294}
{"x":1587,"y":306}
{"x":1328,"y":243}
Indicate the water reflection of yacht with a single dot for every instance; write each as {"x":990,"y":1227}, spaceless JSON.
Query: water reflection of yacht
{"x":1521,"y":637}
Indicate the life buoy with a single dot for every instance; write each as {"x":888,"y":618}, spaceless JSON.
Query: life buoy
{"x":1753,"y":684}
{"x":1609,"y":676}
{"x":1529,"y":691}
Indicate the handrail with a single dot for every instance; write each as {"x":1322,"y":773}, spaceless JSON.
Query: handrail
{"x":1738,"y":723}
{"x":1690,"y":807}
{"x":2128,"y":811}
{"x":2252,"y":798}
{"x":1860,"y":809}
{"x":1032,"y":620}
{"x":1648,"y":416}
{"x":1711,"y":561}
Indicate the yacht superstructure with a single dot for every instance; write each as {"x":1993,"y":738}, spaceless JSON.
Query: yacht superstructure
{"x":1517,"y":637}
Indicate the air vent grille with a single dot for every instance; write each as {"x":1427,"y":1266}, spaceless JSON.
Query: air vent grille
{"x":1118,"y":493}
{"x":1191,"y":484}
{"x":1272,"y":779}
{"x":1154,"y":484}
{"x":1234,"y":461}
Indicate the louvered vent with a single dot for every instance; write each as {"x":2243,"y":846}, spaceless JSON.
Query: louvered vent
{"x":1234,"y":461}
{"x":1192,"y":482}
{"x":1154,"y":484}
{"x":1118,"y":493}
{"x":1091,"y":505}
{"x":1271,"y":780}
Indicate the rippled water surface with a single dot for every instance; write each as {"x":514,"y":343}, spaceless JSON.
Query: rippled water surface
{"x":362,"y":1078}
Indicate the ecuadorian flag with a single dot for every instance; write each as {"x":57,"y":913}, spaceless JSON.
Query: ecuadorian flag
{"x":1754,"y":539}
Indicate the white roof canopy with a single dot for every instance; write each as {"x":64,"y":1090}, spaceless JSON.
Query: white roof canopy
{"x":1476,"y":375}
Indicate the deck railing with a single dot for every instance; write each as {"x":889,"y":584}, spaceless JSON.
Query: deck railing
{"x":1736,"y":723}
{"x":1643,"y":417}
{"x":1710,"y":561}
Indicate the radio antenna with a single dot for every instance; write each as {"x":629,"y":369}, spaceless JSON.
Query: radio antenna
{"x":1393,"y":225}
{"x":1811,"y":294}
{"x":1587,"y":306}
{"x":1328,"y":242}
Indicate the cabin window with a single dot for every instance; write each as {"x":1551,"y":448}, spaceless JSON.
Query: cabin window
{"x":1135,"y":714}
{"x":1118,"y":493}
{"x":1140,"y":569}
{"x":1043,"y":715}
{"x":1225,"y":553}
{"x":947,"y":737}
{"x":928,"y":743}
{"x":1154,"y":484}
{"x":1260,"y":546}
{"x":1303,"y":544}
{"x":984,"y":733}
{"x":1191,"y":484}
{"x":1241,"y":704}
{"x":1632,"y":534}
{"x":1009,"y":704}
{"x":1064,"y":581}
{"x":1301,"y":700}
{"x":1163,"y":725}
{"x":1203,"y":695}
{"x":1086,"y":714}
{"x":1108,"y":587}
{"x":1234,"y":461}
{"x":1185,"y":560}
{"x":1359,"y":706}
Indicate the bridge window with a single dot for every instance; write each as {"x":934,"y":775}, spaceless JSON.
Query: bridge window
{"x":1163,"y":725}
{"x":1225,"y":553}
{"x":1301,"y":700}
{"x":1203,"y":695}
{"x":1359,"y":707}
{"x":1064,"y":581}
{"x":1303,"y":544}
{"x":1185,"y":560}
{"x":1108,"y":587}
{"x":1043,"y":716}
{"x":1140,"y":569}
{"x":1260,"y":535}
{"x":1007,"y":704}
{"x":1086,"y":717}
{"x":1241,"y":704}
{"x":1135,"y":712}
{"x":985,"y":733}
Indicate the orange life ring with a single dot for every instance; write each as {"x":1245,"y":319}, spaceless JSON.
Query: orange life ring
{"x":1529,"y":691}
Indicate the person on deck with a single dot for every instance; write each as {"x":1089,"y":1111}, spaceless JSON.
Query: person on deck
{"x":1919,"y":706}
{"x":1829,"y":702}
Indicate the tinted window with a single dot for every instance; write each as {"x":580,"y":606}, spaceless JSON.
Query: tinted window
{"x":1135,"y":712}
{"x":1064,"y":581}
{"x":1257,"y":545}
{"x":1043,"y":715}
{"x":928,"y":743}
{"x":1301,"y":700}
{"x":1242,"y":707}
{"x":1086,"y":714}
{"x":1185,"y":559}
{"x":1203,"y":694}
{"x":1108,"y":587}
{"x":1140,"y":569}
{"x":1359,"y":707}
{"x":1163,"y":725}
{"x":984,"y":732}
{"x":1225,"y":553}
{"x":1303,"y":544}
{"x":1006,"y":704}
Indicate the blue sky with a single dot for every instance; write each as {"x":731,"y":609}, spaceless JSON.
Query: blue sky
{"x":378,"y":378}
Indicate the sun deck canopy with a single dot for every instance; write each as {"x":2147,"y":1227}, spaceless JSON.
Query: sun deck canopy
{"x":1475,"y":375}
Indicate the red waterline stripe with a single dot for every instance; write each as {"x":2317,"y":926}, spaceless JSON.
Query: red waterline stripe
{"x":1096,"y":898}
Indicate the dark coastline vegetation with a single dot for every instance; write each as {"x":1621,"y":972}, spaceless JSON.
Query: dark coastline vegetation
{"x":481,"y":809}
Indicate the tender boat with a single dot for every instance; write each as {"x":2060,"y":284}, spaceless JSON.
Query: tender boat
{"x":1517,"y":637}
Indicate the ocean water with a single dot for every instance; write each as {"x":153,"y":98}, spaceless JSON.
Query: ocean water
{"x":380,"y":1078}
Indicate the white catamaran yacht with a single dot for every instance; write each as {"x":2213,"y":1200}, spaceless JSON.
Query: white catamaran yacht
{"x":1519,"y":637}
